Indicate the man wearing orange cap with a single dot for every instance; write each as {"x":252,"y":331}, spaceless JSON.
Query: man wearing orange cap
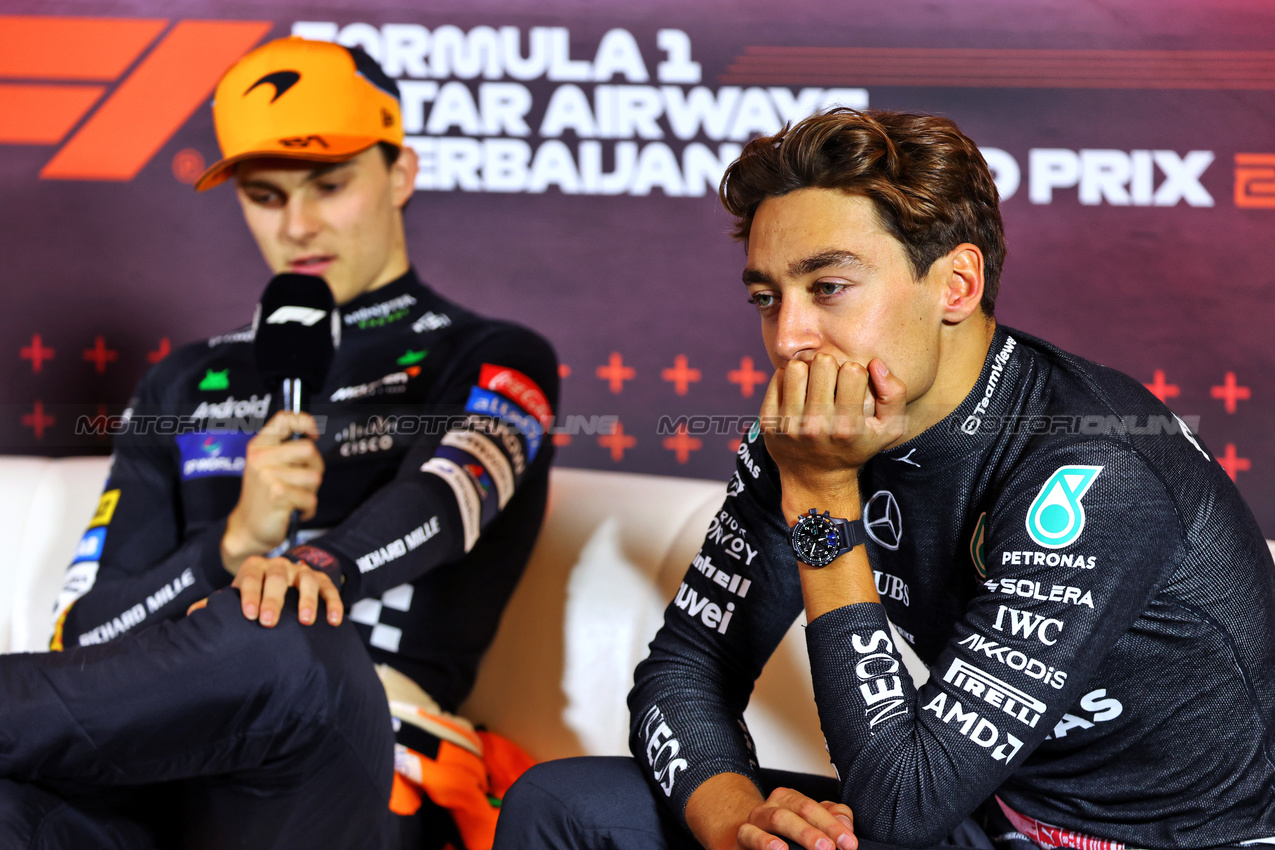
{"x":420,"y":499}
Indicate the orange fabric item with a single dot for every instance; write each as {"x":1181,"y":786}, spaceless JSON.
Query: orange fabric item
{"x":457,"y":781}
{"x":505,"y":761}
{"x":405,"y":798}
{"x":467,"y":786}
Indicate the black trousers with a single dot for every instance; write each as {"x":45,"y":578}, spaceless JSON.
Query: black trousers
{"x":207,"y":732}
{"x":607,"y":804}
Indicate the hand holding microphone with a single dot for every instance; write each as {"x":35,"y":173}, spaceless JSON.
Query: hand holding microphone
{"x":297,"y":332}
{"x":281,"y":481}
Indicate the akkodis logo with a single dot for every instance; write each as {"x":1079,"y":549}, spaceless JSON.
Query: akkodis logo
{"x":1056,"y":517}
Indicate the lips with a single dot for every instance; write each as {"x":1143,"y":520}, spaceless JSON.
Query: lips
{"x":315,"y":265}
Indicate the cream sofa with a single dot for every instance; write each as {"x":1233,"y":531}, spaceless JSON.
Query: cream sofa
{"x":612,"y":552}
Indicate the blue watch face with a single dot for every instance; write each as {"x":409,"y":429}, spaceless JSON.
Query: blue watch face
{"x":814,"y":539}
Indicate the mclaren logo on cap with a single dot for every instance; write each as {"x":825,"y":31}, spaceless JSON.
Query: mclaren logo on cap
{"x":281,"y":80}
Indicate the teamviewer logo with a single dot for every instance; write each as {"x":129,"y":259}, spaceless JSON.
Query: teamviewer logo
{"x":110,"y":91}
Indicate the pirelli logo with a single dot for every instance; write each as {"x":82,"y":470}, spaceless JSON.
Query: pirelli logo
{"x":991,"y":690}
{"x":110,"y":92}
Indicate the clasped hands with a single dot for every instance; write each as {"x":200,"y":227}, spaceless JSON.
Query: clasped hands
{"x":823,"y":421}
{"x":815,"y":826}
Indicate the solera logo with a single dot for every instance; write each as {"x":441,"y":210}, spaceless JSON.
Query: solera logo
{"x":58,"y":70}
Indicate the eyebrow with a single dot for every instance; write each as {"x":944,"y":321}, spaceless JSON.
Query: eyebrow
{"x":327,"y":168}
{"x":315,"y":173}
{"x":811,"y":264}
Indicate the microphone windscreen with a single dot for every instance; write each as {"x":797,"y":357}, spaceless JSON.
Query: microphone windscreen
{"x":297,"y":330}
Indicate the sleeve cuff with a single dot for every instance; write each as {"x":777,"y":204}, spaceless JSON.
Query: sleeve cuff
{"x":327,"y":562}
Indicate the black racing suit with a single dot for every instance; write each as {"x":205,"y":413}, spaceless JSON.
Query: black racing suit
{"x":1094,"y":600}
{"x":434,"y":435}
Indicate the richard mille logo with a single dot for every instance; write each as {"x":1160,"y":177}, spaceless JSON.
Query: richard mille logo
{"x":281,"y":80}
{"x":882,"y":519}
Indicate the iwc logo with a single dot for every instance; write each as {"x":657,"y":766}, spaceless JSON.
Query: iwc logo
{"x":1056,"y":517}
{"x":882,"y":520}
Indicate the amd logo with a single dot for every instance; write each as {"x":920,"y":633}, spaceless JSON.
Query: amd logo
{"x":1120,"y":178}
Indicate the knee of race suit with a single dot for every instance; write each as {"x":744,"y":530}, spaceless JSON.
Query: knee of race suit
{"x":312,"y":669}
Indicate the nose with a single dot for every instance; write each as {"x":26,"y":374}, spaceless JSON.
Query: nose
{"x":797,"y":331}
{"x":300,"y":219}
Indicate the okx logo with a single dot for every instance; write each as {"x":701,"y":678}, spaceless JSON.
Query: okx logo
{"x":110,"y":91}
{"x":1057,"y":517}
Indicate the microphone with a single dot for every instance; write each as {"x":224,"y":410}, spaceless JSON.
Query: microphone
{"x":297,"y":331}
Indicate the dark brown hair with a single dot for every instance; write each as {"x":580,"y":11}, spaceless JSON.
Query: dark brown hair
{"x":930,"y":185}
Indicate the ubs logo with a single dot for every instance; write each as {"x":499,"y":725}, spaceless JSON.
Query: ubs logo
{"x":882,"y":519}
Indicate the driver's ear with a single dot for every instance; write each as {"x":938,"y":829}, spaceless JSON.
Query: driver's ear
{"x":403,"y":175}
{"x":962,"y":279}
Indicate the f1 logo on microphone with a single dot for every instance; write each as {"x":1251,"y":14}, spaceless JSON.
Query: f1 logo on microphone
{"x":307,"y":316}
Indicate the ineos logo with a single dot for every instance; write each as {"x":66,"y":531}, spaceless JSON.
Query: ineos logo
{"x":882,"y":519}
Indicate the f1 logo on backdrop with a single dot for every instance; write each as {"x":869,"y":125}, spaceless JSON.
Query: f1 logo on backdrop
{"x":55,"y":71}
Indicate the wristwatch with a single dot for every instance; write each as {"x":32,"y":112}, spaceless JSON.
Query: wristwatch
{"x":819,"y":539}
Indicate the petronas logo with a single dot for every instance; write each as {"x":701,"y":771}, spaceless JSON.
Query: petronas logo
{"x":1056,"y":517}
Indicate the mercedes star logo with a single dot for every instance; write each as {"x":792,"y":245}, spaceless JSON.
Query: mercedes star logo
{"x":882,"y":519}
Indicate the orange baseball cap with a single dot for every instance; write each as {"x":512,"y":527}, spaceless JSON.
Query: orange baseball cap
{"x":300,"y":99}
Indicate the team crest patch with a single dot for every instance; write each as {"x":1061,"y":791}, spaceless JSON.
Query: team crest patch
{"x":1056,"y":517}
{"x":212,"y":453}
{"x":977,"y":554}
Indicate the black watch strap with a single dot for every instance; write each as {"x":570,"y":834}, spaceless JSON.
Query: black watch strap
{"x":852,"y":533}
{"x":844,"y":535}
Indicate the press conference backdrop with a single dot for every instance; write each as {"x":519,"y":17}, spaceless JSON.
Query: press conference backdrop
{"x":570,"y":154}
